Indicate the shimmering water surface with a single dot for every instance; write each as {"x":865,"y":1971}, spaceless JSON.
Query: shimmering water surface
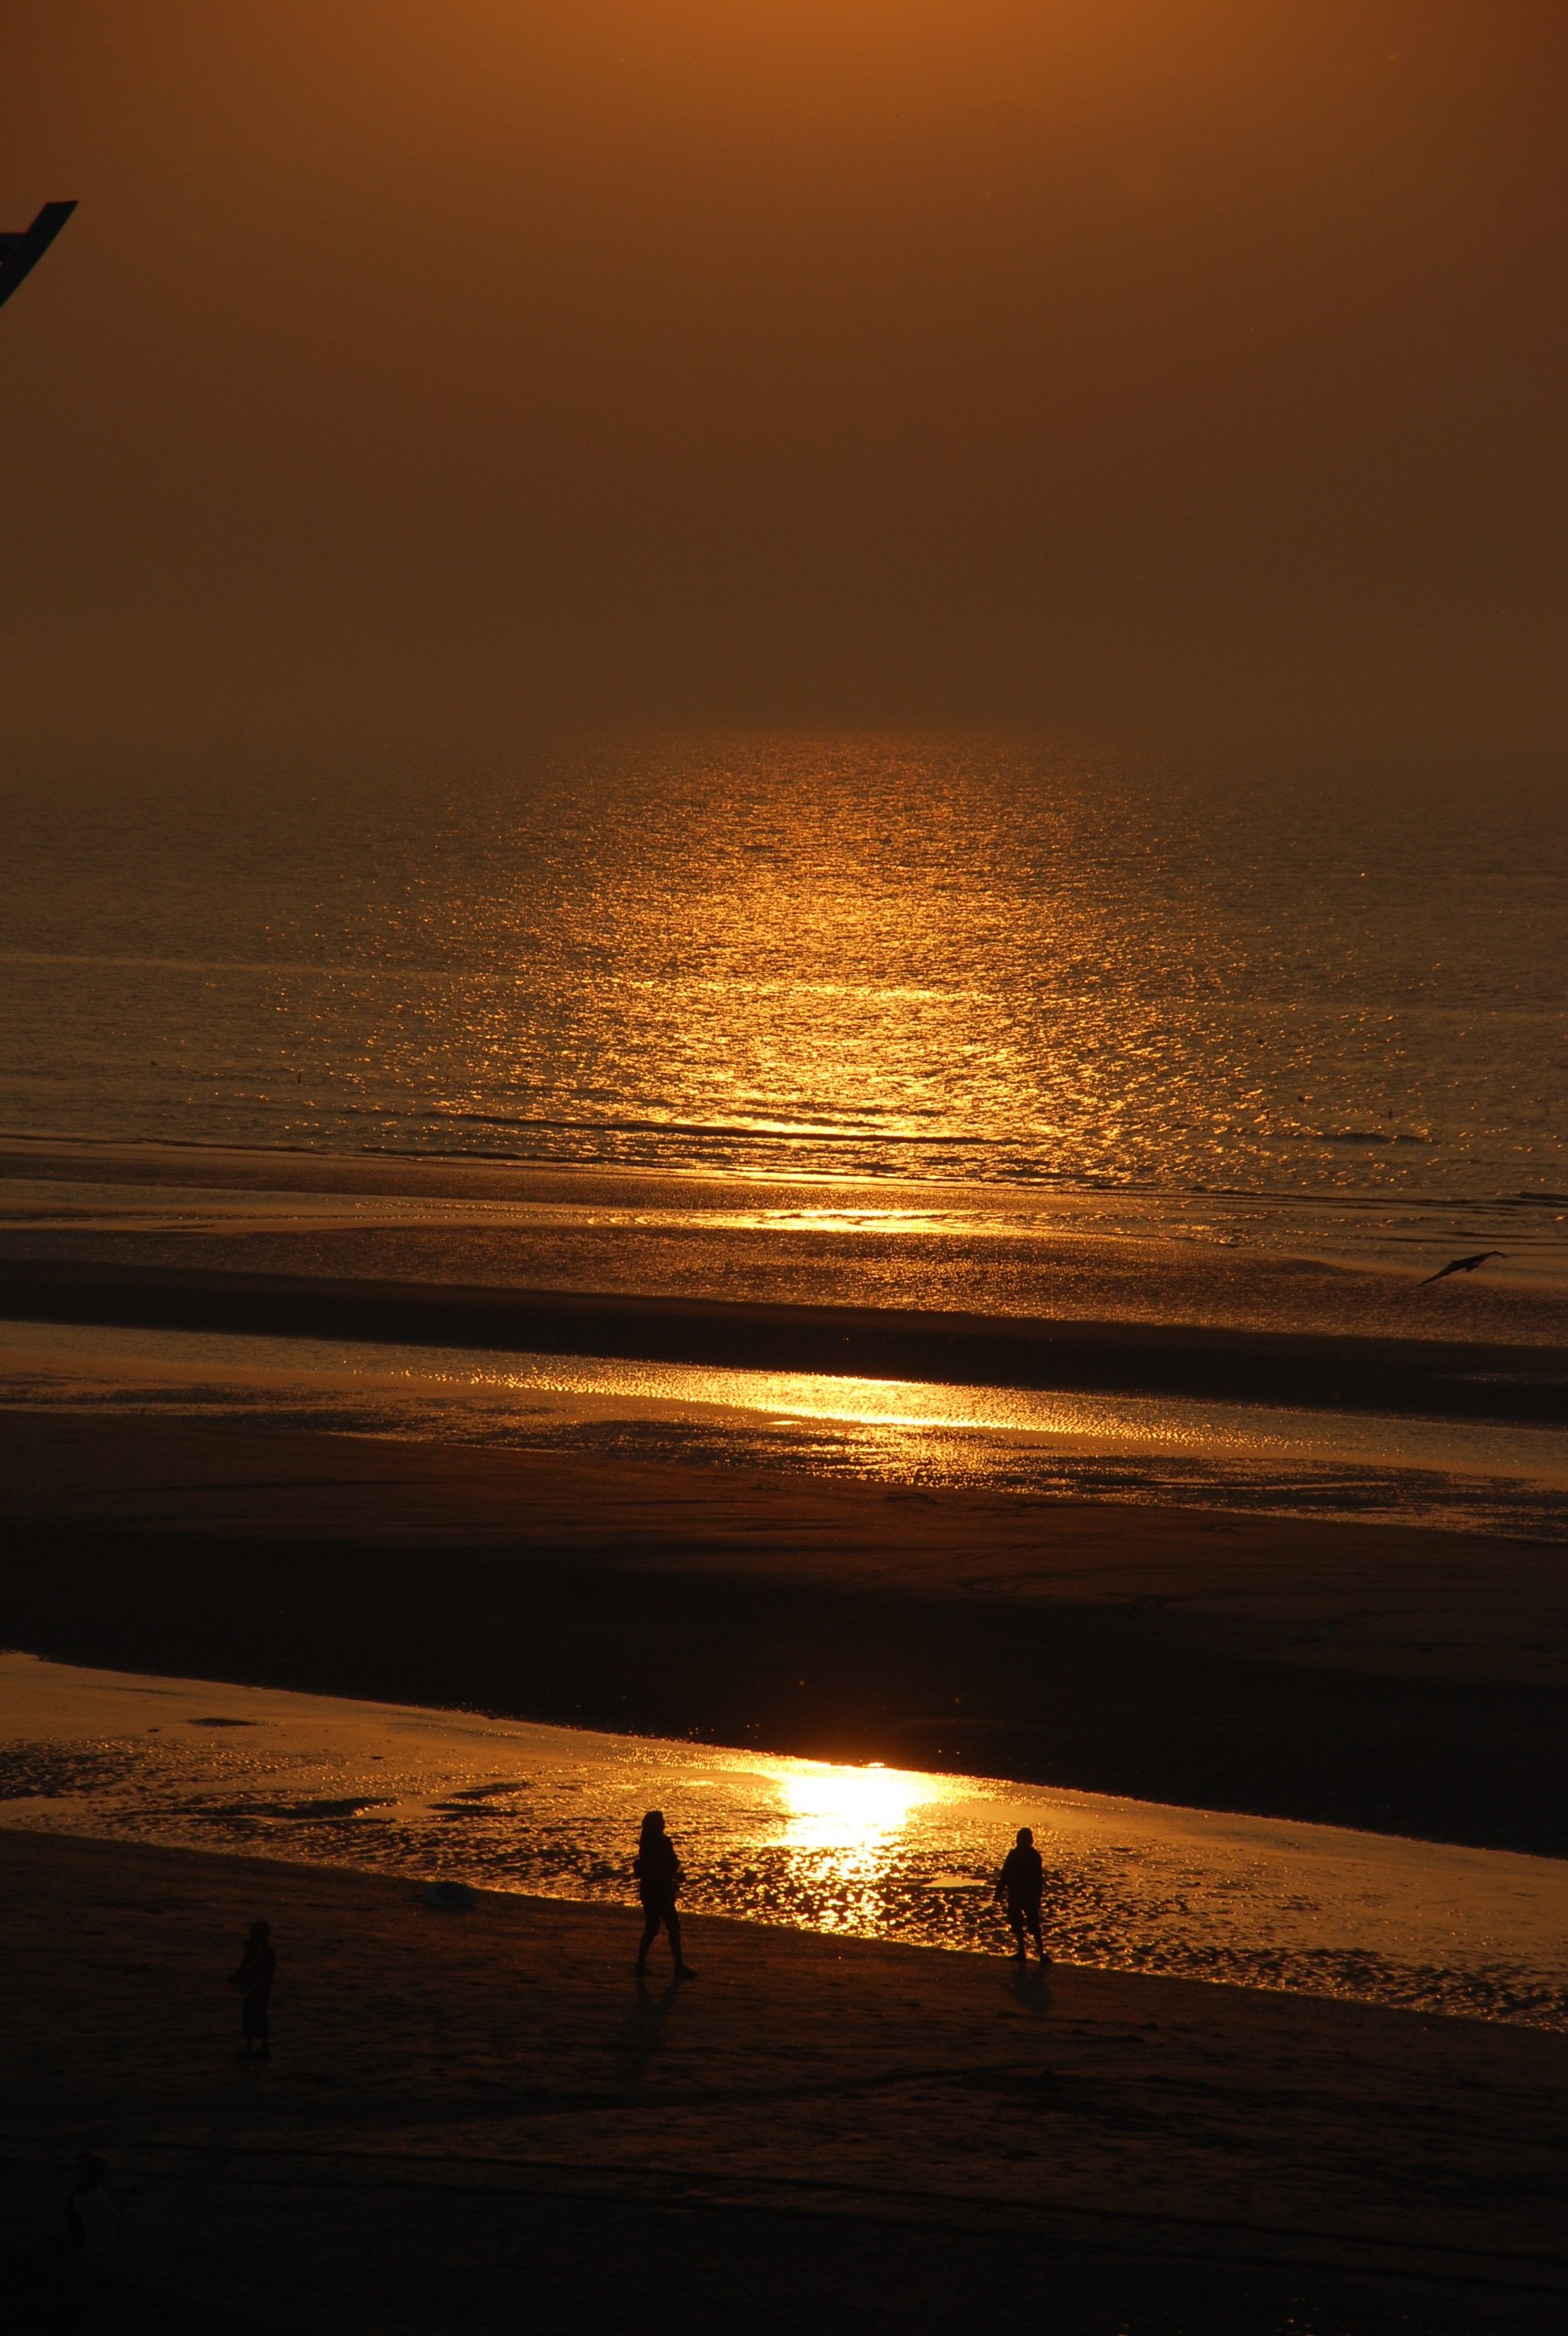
{"x":866,"y":1852}
{"x":956,"y":1027}
{"x":1482,"y":1477}
{"x":857,"y":957}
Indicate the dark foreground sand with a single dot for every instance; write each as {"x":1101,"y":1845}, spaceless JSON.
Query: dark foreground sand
{"x":473,"y":2122}
{"x":1402,"y":1680}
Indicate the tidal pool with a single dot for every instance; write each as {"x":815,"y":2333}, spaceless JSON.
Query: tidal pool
{"x":1478,"y":1476}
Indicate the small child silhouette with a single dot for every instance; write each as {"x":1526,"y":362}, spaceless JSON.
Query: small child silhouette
{"x":258,"y":1966}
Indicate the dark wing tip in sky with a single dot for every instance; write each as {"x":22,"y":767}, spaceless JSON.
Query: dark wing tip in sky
{"x":20,"y":254}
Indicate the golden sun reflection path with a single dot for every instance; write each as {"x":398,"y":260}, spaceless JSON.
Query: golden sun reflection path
{"x":1491,"y":1475}
{"x":840,"y":1825}
{"x":851,"y":1811}
{"x":852,"y":958}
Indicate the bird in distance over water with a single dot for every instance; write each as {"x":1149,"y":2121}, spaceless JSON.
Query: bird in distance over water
{"x":1459,"y":1265}
{"x":21,"y":252}
{"x":658,"y":1880}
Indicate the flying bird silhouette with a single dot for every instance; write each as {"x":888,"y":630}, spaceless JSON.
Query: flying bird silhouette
{"x":1458,"y":1265}
{"x":19,"y":253}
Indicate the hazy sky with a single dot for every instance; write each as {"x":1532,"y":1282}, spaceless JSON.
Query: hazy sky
{"x":1182,"y":369}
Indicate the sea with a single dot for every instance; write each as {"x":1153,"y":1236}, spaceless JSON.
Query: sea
{"x":956,"y":1024}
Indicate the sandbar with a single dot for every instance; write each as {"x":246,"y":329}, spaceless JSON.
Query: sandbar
{"x":1399,"y":1680}
{"x":1428,"y":1377}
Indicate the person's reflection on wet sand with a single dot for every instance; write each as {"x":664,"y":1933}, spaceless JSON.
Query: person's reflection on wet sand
{"x":658,"y":1881}
{"x":641,"y":2039}
{"x":1029,"y":1988}
{"x":254,"y":1977}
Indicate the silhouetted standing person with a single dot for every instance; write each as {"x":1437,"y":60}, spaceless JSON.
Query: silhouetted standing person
{"x":1018,"y":1887}
{"x":258,"y":1966}
{"x":658,"y":1880}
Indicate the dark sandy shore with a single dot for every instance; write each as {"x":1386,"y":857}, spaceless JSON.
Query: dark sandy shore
{"x":1430,"y":1377}
{"x":472,"y":2119}
{"x":1403,"y":1681}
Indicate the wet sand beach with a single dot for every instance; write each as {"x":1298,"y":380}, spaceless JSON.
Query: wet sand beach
{"x":783,"y":1067}
{"x":1439,"y":1378}
{"x":471,"y":2115}
{"x":1402,"y":1680}
{"x":469,"y":2119}
{"x":854,"y":1849}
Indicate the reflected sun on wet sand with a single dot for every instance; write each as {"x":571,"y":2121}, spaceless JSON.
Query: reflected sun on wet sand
{"x":1484,"y":1475}
{"x":861,"y":1852}
{"x":850,"y":1812}
{"x":840,"y":1825}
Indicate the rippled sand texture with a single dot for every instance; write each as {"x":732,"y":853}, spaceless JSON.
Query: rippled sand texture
{"x":869,"y":1852}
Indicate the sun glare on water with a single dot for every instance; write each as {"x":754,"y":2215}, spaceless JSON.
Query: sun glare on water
{"x":842,"y":1826}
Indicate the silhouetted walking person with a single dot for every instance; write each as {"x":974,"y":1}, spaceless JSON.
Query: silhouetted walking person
{"x":1018,"y":1887}
{"x":254,"y":1979}
{"x":658,"y":1881}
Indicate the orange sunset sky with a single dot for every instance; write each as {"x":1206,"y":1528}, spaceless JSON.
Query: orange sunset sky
{"x":1182,"y":369}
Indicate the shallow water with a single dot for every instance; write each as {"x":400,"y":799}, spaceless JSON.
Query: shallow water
{"x":1485,"y":1478}
{"x":865,"y":1852}
{"x":1334,"y":1263}
{"x":960,"y":960}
